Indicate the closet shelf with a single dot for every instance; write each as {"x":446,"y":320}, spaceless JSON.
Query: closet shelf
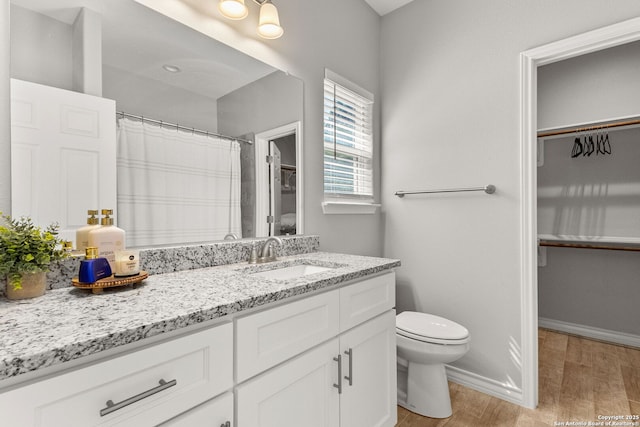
{"x":580,"y":242}
{"x":628,"y":122}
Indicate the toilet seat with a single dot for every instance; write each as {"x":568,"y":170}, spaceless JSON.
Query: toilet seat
{"x":430,"y":328}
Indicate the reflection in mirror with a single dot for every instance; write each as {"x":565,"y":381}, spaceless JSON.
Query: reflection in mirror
{"x":179,"y":83}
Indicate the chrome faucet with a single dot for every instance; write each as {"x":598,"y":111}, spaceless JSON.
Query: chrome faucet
{"x":267,"y":254}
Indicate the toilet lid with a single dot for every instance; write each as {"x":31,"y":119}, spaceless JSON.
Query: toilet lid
{"x":429,"y":326}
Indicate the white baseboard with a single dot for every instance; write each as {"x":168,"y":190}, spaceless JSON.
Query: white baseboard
{"x":591,"y":332}
{"x":485,"y":385}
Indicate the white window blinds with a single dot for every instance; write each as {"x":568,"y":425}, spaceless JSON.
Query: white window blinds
{"x":348,"y":140}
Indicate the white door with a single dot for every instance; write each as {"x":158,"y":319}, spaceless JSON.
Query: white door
{"x":298,"y":393}
{"x":275,"y":187}
{"x":63,"y":155}
{"x":369,"y":374}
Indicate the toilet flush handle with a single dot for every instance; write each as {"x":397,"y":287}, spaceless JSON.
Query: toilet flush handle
{"x":350,"y":376}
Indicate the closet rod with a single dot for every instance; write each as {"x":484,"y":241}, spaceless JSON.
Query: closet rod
{"x":176,"y":126}
{"x":588,"y":128}
{"x":489,"y":189}
{"x":557,"y":244}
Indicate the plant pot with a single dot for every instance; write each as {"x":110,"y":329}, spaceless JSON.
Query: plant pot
{"x":33,"y":285}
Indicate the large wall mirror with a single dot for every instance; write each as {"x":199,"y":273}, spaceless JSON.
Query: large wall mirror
{"x":171,"y":78}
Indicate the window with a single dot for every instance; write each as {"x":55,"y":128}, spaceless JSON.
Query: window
{"x":348,"y":141}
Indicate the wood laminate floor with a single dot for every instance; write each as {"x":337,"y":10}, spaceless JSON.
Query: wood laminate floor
{"x":579,"y":379}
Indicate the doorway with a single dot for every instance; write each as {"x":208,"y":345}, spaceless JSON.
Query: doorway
{"x":279,"y":181}
{"x":604,"y":38}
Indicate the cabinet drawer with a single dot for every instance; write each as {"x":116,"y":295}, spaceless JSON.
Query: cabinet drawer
{"x":272,"y":336}
{"x":214,"y":413}
{"x":201,"y":365}
{"x":366,"y":299}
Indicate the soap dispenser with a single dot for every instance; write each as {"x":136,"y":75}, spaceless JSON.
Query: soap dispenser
{"x":82,"y":233}
{"x":93,"y":268}
{"x":108,"y":238}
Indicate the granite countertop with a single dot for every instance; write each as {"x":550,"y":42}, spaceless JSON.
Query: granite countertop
{"x":69,"y":323}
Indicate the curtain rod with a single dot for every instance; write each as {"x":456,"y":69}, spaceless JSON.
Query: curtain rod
{"x":176,"y":126}
{"x":589,"y":128}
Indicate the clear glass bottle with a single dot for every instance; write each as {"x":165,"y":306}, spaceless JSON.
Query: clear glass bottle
{"x":82,"y":233}
{"x":108,"y":238}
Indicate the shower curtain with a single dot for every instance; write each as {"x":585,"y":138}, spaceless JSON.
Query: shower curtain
{"x":175,"y":186}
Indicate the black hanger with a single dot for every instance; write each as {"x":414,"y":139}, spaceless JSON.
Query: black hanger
{"x":600,"y":143}
{"x":589,"y":145}
{"x":606,"y":144}
{"x":577,"y":148}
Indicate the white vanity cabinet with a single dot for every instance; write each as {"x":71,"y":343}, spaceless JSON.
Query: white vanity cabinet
{"x":347,"y":379}
{"x":325,"y":360}
{"x":143,"y":388}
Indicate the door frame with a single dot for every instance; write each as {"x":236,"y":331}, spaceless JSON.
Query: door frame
{"x":262,"y":175}
{"x":589,"y":42}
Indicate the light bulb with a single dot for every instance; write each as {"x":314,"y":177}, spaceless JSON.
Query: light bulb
{"x":269,"y":22}
{"x":233,"y":9}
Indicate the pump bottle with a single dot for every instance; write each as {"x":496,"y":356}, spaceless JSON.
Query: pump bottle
{"x":82,"y":233}
{"x":93,"y":268}
{"x":108,"y":238}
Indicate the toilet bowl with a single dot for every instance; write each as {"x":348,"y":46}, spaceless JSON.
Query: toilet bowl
{"x":424,"y":344}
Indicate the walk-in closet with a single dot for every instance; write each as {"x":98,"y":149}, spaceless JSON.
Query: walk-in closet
{"x":589,"y":195}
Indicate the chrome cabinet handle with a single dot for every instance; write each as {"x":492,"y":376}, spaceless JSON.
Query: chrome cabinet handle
{"x":112,"y":407}
{"x":350,"y":376}
{"x":339,"y":385}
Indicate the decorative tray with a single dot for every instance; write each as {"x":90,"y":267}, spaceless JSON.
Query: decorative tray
{"x":110,"y":282}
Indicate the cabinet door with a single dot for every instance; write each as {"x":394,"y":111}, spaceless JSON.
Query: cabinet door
{"x":214,"y":413}
{"x":368,"y":353}
{"x":298,"y":393}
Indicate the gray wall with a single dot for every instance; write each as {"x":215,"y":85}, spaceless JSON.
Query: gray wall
{"x":590,"y":88}
{"x":451,"y":96}
{"x":591,"y":196}
{"x":41,"y":49}
{"x":272,"y":101}
{"x":42,"y":53}
{"x":156,"y":100}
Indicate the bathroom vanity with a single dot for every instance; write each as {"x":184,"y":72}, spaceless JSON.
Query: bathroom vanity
{"x":306,"y":340}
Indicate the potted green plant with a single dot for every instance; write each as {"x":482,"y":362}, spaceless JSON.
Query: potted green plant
{"x":26,"y":251}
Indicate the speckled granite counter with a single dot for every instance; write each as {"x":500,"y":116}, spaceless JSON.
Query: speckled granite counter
{"x":70,"y":323}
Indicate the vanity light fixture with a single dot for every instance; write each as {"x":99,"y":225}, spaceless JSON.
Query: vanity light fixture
{"x":268,"y":23}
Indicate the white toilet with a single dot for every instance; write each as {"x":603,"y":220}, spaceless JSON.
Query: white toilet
{"x":425,"y":343}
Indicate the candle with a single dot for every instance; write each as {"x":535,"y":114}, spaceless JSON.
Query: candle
{"x":127,"y":263}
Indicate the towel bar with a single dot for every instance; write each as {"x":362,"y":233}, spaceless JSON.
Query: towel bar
{"x":489,"y":189}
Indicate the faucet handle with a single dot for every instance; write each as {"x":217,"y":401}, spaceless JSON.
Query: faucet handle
{"x":253,"y":255}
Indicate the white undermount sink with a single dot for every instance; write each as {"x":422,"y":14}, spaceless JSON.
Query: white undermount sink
{"x":291,"y":272}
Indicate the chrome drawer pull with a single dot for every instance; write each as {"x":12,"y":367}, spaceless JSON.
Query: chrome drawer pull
{"x":339,"y":385}
{"x":350,"y":376}
{"x":112,"y":407}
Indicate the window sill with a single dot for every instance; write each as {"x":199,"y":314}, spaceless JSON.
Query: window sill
{"x":349,"y":208}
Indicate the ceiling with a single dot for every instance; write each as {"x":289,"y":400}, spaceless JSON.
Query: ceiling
{"x":385,"y":6}
{"x":140,"y":41}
